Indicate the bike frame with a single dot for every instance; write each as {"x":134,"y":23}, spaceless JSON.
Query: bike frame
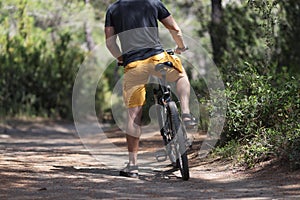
{"x":162,"y":100}
{"x":172,"y":132}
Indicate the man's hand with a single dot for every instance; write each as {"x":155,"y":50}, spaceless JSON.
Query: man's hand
{"x":120,"y":61}
{"x":179,"y":50}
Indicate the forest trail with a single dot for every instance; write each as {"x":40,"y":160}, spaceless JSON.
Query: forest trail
{"x":47,"y":160}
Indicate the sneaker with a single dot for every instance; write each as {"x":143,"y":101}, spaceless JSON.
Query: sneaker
{"x":189,"y":121}
{"x":130,"y":171}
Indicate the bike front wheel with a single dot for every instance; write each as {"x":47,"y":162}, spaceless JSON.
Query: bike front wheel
{"x":179,"y":140}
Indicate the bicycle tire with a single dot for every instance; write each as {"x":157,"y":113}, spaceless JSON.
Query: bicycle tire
{"x":166,"y":134}
{"x":179,"y":139}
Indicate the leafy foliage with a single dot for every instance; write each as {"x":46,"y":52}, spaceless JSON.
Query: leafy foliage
{"x":263,"y":96}
{"x":261,"y":118}
{"x":37,"y":75}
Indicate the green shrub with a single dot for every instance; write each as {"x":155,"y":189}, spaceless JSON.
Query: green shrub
{"x":37,"y":74}
{"x":262,"y":117}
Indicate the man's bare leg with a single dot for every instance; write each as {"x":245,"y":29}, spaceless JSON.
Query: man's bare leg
{"x":183,"y":90}
{"x":133,"y":133}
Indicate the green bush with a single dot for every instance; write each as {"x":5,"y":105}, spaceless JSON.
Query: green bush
{"x":262,"y":116}
{"x":37,"y":74}
{"x":262,"y":87}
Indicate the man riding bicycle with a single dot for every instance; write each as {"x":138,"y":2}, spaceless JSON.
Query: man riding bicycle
{"x":135,"y":22}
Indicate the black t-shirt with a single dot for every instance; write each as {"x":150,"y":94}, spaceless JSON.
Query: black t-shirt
{"x":136,"y":23}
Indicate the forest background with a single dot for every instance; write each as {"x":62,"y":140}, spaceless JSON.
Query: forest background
{"x":254,"y":44}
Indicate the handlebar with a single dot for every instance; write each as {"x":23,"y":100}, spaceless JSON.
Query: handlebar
{"x":170,"y":51}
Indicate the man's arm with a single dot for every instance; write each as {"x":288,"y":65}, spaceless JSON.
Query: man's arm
{"x":176,"y":33}
{"x":111,"y":43}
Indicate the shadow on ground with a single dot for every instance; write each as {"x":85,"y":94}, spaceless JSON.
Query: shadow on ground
{"x":46,"y":160}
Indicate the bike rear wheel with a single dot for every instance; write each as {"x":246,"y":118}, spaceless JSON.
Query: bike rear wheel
{"x":178,"y":143}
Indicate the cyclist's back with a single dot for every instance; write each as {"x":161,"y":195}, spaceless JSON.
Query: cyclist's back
{"x":141,"y":18}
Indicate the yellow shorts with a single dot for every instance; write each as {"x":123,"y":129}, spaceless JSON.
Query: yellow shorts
{"x":137,"y":73}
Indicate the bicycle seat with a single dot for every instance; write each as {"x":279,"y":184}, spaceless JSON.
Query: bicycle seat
{"x":162,"y":66}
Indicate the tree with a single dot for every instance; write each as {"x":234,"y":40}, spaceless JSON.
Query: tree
{"x":87,"y":30}
{"x":289,"y":37}
{"x":217,"y":30}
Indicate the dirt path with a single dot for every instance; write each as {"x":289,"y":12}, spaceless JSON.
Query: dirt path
{"x":46,"y":160}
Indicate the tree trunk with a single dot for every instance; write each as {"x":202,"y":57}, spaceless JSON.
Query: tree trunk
{"x":217,"y":31}
{"x":88,"y":32}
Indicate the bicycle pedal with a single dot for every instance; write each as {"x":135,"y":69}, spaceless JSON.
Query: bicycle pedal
{"x":161,"y":155}
{"x":189,"y":142}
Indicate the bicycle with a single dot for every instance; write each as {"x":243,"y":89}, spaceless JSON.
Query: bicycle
{"x":171,"y":126}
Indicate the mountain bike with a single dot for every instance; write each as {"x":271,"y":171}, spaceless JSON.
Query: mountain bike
{"x":171,"y":126}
